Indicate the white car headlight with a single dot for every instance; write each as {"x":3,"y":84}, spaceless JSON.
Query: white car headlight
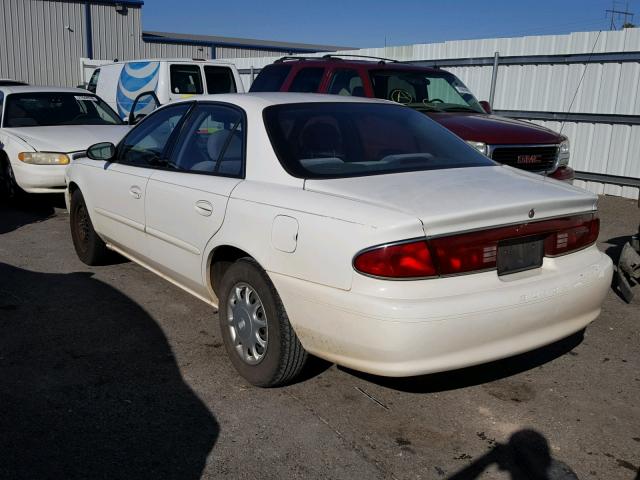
{"x":43,"y":158}
{"x":480,"y":146}
{"x":563,"y":153}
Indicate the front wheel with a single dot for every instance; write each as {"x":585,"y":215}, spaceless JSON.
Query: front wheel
{"x":88,"y":245}
{"x":259,"y":339}
{"x":9,"y":188}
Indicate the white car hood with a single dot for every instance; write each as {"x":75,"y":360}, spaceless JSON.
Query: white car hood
{"x":68,"y":138}
{"x":460,"y":199}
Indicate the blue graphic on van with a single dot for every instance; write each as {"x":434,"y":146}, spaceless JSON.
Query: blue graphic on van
{"x":135,"y":78}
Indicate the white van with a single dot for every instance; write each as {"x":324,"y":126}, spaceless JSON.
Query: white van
{"x":120,"y":83}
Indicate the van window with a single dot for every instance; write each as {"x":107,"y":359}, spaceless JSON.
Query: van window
{"x":307,"y":80}
{"x":1,"y":105}
{"x":219,"y":79}
{"x":186,"y":79}
{"x":93,"y":81}
{"x":271,"y":78}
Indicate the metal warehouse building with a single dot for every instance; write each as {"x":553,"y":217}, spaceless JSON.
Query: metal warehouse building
{"x":46,"y":42}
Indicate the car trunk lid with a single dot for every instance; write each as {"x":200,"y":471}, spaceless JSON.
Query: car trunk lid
{"x":461,"y":199}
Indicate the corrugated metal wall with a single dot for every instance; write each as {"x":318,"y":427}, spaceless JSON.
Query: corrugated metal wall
{"x":607,"y":88}
{"x":41,"y":41}
{"x":226,"y":52}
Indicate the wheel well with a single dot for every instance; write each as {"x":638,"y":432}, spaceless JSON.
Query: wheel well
{"x":222,"y":258}
{"x":72,"y":188}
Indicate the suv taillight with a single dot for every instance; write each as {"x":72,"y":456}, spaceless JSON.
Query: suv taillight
{"x":474,"y":251}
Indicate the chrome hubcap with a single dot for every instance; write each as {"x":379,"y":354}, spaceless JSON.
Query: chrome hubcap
{"x":247,"y":323}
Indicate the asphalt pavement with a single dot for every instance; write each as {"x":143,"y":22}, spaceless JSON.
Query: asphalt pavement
{"x":111,"y":372}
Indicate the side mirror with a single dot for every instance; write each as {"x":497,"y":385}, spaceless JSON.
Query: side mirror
{"x":144,"y":104}
{"x":486,"y":106}
{"x":105,"y":151}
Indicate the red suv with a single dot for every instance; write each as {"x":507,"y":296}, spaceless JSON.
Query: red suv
{"x":439,"y":94}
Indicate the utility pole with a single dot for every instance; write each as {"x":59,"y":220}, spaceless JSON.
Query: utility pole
{"x":615,"y":13}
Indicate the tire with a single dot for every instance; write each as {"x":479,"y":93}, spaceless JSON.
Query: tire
{"x":9,"y":189}
{"x":89,"y":246}
{"x":282,"y":357}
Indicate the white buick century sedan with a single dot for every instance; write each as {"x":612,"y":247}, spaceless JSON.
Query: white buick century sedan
{"x":42,"y":129}
{"x":356,"y":230}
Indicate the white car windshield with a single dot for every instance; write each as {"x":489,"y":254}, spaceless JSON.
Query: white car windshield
{"x":44,"y":109}
{"x":335,"y":140}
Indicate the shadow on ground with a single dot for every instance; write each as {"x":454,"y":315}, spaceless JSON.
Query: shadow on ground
{"x":90,"y":387}
{"x":526,"y":456}
{"x":28,"y":209}
{"x":485,"y":373}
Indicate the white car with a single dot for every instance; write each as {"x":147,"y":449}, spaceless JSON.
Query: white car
{"x":356,"y":230}
{"x":42,"y":129}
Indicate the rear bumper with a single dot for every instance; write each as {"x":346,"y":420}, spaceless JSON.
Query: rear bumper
{"x":39,"y":178}
{"x":458,"y":322}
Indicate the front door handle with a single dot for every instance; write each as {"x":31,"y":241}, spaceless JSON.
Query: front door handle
{"x":204,"y":208}
{"x":135,"y":192}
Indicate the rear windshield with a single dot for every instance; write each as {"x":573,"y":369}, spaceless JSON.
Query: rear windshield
{"x":270,"y":79}
{"x":336,"y":140}
{"x":43,"y":109}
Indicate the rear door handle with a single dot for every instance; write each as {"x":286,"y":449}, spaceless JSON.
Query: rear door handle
{"x":204,"y":208}
{"x":135,"y":192}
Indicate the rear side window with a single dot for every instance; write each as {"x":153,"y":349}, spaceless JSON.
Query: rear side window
{"x":346,"y":82}
{"x":1,"y":105}
{"x":219,"y":80}
{"x":93,"y":81}
{"x":337,"y":140}
{"x":186,"y":79}
{"x":270,"y":79}
{"x":307,"y":80}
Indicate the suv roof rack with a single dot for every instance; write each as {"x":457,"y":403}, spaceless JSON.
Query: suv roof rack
{"x":336,"y":56}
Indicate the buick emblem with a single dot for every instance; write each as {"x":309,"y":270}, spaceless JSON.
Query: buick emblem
{"x":532,"y":213}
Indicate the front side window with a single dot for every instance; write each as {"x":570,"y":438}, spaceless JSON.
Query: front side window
{"x":219,"y":79}
{"x":335,"y":140}
{"x":271,"y":78}
{"x":346,"y":82}
{"x":307,"y":80}
{"x":424,"y":90}
{"x":212,"y":142}
{"x":93,"y":81}
{"x":45,"y":109}
{"x":145,"y":145}
{"x":186,"y":79}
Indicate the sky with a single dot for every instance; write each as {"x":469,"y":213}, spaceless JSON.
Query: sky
{"x":369,"y":23}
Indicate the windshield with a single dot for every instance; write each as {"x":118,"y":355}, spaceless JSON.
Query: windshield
{"x":335,"y":140}
{"x":424,"y":90}
{"x":44,"y":109}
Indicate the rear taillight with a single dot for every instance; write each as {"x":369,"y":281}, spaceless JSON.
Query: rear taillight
{"x":474,"y":251}
{"x":405,"y":260}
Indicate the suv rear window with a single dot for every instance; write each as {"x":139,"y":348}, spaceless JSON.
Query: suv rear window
{"x":307,"y":80}
{"x":337,"y":140}
{"x":219,"y":79}
{"x":186,"y":79}
{"x":271,"y":78}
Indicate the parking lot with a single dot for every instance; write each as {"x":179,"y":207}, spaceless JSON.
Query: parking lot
{"x":111,"y":372}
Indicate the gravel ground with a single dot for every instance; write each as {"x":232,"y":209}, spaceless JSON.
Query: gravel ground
{"x":111,"y":372}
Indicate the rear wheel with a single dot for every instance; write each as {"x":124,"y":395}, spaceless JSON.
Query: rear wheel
{"x":259,"y":339}
{"x":89,"y":246}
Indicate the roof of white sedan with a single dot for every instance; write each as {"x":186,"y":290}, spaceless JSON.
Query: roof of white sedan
{"x":42,"y":89}
{"x":261,"y":100}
